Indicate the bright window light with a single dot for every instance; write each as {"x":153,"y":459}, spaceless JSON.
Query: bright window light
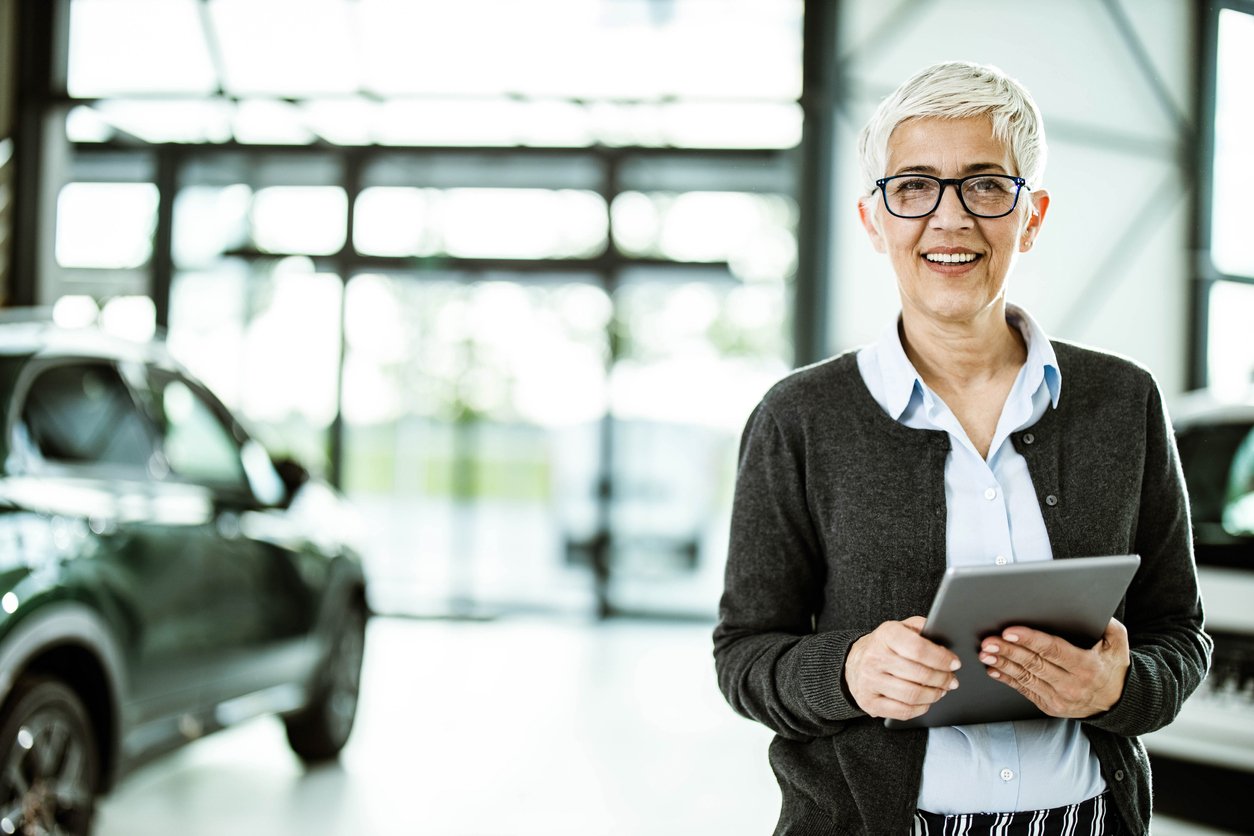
{"x":116,"y":44}
{"x":730,"y":337}
{"x":753,"y":233}
{"x":171,"y":120}
{"x":732,"y":124}
{"x":626,"y":49}
{"x":300,"y":219}
{"x":271,"y":122}
{"x":286,"y":47}
{"x":1234,"y":136}
{"x":523,"y":223}
{"x":293,"y":350}
{"x":439,"y":122}
{"x":394,"y":221}
{"x":85,"y":124}
{"x":480,"y":223}
{"x":1231,"y":351}
{"x":209,"y":221}
{"x":346,"y":121}
{"x":75,"y":311}
{"x":130,"y":317}
{"x":105,"y":224}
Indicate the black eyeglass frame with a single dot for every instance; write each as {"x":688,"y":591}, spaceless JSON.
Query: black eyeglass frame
{"x":956,"y":182}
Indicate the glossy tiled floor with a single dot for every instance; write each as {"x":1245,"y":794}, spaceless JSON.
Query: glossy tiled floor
{"x":502,"y":728}
{"x":518,"y":727}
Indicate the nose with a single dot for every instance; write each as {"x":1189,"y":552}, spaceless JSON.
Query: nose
{"x":950,"y":213}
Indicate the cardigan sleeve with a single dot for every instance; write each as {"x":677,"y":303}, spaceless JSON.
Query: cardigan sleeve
{"x":772,"y":666}
{"x":1170,"y":652}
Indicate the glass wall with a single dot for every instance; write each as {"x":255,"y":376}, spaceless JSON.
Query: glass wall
{"x":1230,"y":353}
{"x":512,"y":275}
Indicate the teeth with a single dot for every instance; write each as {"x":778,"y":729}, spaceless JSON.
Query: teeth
{"x":950,"y":258}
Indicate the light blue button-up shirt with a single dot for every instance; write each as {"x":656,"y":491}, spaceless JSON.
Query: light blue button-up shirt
{"x":992,"y":517}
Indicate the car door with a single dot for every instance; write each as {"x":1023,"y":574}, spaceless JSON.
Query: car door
{"x":87,"y":460}
{"x":260,"y":596}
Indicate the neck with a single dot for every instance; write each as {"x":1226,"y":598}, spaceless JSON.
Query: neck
{"x":957,"y":354}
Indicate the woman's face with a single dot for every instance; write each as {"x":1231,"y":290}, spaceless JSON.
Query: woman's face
{"x":953,"y":291}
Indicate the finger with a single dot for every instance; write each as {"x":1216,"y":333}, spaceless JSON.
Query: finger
{"x":915,"y":673}
{"x":887,"y":707}
{"x":1043,"y":644}
{"x":915,"y":688}
{"x":1035,"y":650}
{"x":993,"y":654}
{"x":1037,"y":689}
{"x":907,"y":690}
{"x":1037,"y":676}
{"x":1116,"y":635}
{"x":915,"y":623}
{"x":910,"y":645}
{"x":910,"y":693}
{"x":877,"y":664}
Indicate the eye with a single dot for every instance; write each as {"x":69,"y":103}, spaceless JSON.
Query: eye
{"x":905,"y":185}
{"x":989,"y":185}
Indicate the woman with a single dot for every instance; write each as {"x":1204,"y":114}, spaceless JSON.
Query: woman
{"x":963,"y":435}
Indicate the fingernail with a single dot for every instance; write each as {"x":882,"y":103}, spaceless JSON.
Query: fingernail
{"x":991,"y":648}
{"x":953,"y":683}
{"x":954,"y":665}
{"x":1012,"y":637}
{"x":989,"y":660}
{"x":994,"y":674}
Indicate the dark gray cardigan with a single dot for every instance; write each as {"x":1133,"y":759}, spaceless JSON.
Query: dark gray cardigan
{"x":838,"y":524}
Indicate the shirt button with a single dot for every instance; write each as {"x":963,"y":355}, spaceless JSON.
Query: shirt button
{"x":1028,"y":438}
{"x":1000,"y":560}
{"x":1118,"y":774}
{"x":1051,"y":500}
{"x":1007,"y":775}
{"x":990,"y":493}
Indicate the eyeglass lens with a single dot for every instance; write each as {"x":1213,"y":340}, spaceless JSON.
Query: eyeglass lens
{"x":988,"y":196}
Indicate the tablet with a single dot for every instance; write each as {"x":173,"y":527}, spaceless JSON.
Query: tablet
{"x":1072,"y":598}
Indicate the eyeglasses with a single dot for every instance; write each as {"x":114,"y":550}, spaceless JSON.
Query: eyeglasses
{"x":982,"y":195}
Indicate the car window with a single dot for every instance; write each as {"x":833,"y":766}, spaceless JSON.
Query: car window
{"x":198,"y":446}
{"x":1239,"y":507}
{"x":83,"y":413}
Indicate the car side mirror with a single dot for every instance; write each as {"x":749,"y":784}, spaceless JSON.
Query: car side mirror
{"x":293,"y":474}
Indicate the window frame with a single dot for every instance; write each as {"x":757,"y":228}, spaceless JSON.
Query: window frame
{"x":1206,"y":275}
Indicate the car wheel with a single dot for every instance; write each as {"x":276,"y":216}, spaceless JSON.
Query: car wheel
{"x":320,"y":730}
{"x":51,"y":762}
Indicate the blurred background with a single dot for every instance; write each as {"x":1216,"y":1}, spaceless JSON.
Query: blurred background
{"x":512,"y":274}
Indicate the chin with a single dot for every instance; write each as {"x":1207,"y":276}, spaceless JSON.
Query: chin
{"x":957,"y":310}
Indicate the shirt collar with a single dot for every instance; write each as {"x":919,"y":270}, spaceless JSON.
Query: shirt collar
{"x":901,"y":380}
{"x":1042,"y":363}
{"x":896,"y":371}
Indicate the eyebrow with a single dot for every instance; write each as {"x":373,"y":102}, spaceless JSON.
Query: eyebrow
{"x":935,"y":172}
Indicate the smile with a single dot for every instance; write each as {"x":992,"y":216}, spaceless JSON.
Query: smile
{"x":951,"y":258}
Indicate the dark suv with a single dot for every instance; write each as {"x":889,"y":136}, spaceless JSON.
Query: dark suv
{"x":161,"y":576}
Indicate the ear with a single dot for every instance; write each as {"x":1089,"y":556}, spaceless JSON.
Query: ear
{"x":1037,"y":208}
{"x":866,"y":212}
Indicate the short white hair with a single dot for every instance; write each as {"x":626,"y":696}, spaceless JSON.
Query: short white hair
{"x":959,"y":90}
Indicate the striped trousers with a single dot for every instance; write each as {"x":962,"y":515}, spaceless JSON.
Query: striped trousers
{"x":1095,"y":817}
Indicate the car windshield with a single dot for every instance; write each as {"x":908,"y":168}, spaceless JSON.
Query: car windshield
{"x":1218,"y":462}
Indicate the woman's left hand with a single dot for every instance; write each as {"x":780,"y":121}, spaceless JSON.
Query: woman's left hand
{"x":1061,"y":679}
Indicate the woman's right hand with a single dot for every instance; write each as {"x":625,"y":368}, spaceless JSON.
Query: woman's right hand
{"x":894,"y":672}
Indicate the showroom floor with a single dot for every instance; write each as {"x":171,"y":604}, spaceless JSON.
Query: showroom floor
{"x":513,"y":727}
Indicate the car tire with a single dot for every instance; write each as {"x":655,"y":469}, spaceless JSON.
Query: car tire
{"x":50,"y":765}
{"x":319,"y":731}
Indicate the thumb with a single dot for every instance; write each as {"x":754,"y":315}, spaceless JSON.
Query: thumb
{"x":915,"y":623}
